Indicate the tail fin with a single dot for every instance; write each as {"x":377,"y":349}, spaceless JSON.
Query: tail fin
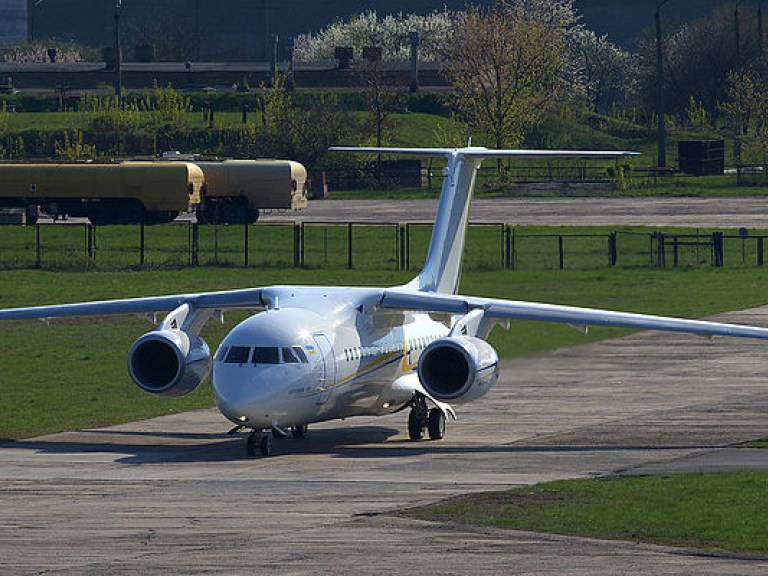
{"x":442,"y":269}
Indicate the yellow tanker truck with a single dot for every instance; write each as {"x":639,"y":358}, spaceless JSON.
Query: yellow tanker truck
{"x":124,"y":193}
{"x":131,"y":192}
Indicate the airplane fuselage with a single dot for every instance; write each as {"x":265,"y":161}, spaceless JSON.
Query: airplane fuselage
{"x":291,"y":365}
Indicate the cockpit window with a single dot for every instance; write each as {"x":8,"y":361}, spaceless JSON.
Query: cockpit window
{"x":289,"y":356}
{"x":222,"y":353}
{"x":237,"y":355}
{"x":264,"y":355}
{"x":300,"y":353}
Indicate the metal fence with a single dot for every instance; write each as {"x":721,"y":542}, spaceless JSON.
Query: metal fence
{"x":387,"y":246}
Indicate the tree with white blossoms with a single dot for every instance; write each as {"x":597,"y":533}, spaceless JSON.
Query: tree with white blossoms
{"x":390,"y":32}
{"x":606,"y":72}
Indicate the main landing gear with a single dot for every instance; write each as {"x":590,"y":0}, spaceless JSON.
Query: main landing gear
{"x":260,"y":441}
{"x":420,"y":419}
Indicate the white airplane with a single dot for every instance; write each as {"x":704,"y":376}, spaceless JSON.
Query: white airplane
{"x":313,"y":354}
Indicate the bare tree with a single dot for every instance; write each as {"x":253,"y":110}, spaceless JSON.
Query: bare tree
{"x":506,"y":67}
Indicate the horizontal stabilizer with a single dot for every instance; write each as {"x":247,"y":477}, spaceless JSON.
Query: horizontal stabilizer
{"x":482,"y":153}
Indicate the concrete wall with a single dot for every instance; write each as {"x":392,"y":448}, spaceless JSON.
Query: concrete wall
{"x":13,"y":21}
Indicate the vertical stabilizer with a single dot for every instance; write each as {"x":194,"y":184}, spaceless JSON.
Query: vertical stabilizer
{"x":443,"y":267}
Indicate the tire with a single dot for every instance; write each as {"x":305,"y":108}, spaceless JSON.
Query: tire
{"x":266,"y":445}
{"x":33,"y":214}
{"x":250,"y":445}
{"x":226,"y":210}
{"x":415,"y":425}
{"x":299,"y":431}
{"x":436,"y":424}
{"x":115,"y":211}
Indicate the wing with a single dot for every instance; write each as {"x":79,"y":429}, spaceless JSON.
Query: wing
{"x":492,"y":308}
{"x":247,"y":299}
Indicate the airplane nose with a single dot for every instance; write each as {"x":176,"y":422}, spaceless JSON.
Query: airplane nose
{"x":246,"y":402}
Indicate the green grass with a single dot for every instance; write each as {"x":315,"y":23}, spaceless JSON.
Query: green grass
{"x":71,"y":374}
{"x":715,"y":511}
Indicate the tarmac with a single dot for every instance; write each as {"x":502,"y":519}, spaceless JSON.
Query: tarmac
{"x":176,"y":495}
{"x":657,"y":212}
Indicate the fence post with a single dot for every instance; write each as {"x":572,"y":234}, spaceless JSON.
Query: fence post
{"x":612,"y":249}
{"x":38,"y":252}
{"x":675,"y":252}
{"x":560,"y":249}
{"x":90,"y":233}
{"x":401,"y":260}
{"x":507,"y":247}
{"x":216,"y":241}
{"x":303,"y":245}
{"x":195,"y":246}
{"x":660,"y":250}
{"x":760,"y":240}
{"x":717,"y":242}
{"x":297,"y":246}
{"x":407,"y":246}
{"x":141,"y":244}
{"x":349,"y":246}
{"x":245,"y":243}
{"x":503,"y":247}
{"x":513,"y":250}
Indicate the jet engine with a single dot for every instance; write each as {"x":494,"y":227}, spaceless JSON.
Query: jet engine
{"x":169,"y":363}
{"x":458,"y":368}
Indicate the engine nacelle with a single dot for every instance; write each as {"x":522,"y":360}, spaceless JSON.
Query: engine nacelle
{"x":458,"y":368}
{"x":169,"y":362}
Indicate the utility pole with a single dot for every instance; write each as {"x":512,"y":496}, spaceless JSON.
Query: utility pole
{"x":661,"y":132}
{"x":118,"y":57}
{"x":736,"y":35}
{"x":760,"y":31}
{"x":739,"y":126}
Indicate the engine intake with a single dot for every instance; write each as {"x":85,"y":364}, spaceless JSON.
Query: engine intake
{"x":458,"y":368}
{"x":169,"y":363}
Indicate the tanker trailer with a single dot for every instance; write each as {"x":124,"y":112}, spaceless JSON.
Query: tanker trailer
{"x":236,"y":190}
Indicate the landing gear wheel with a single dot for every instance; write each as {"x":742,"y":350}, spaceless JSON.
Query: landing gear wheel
{"x":299,"y":431}
{"x":266,"y":445}
{"x":436,"y":424}
{"x":415,"y":425}
{"x":417,"y":419}
{"x":250,"y":444}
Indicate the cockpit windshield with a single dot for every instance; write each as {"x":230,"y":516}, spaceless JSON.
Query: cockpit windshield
{"x":262,"y":355}
{"x":237,"y":355}
{"x":265,"y":355}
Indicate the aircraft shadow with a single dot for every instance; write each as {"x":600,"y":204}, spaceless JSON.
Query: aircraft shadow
{"x":364,"y":442}
{"x":141,"y":447}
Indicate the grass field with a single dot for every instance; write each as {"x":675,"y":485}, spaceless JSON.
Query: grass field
{"x":716,"y":511}
{"x":72,"y":374}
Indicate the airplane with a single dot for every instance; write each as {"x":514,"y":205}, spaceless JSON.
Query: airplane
{"x":309,"y":354}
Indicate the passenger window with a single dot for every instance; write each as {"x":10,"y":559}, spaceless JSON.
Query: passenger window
{"x":237,"y":355}
{"x":222,"y":353}
{"x":289,"y":356}
{"x":264,"y":355}
{"x":300,"y":353}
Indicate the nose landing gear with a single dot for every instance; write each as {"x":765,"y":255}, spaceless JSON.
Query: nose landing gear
{"x":260,"y":441}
